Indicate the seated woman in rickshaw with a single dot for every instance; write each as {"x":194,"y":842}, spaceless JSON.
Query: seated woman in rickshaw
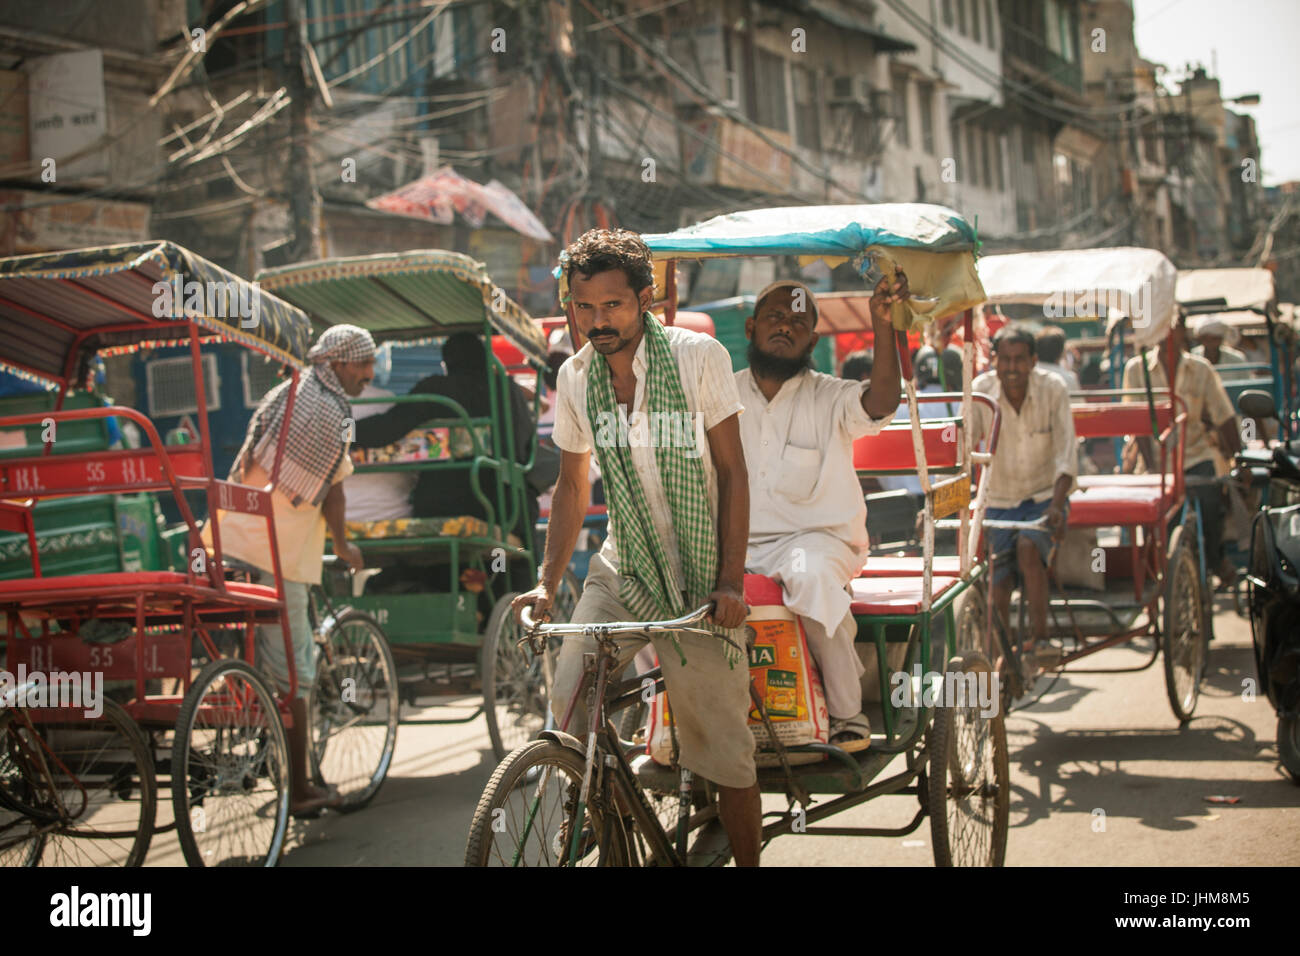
{"x":450,"y":492}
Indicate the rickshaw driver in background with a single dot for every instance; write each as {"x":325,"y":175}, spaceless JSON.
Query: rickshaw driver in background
{"x":1211,"y":422}
{"x":307,"y":497}
{"x":1211,"y":332}
{"x":1031,"y":476}
{"x":808,"y":519}
{"x":678,"y":513}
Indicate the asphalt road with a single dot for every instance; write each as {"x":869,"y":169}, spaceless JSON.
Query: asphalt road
{"x":1105,"y":743}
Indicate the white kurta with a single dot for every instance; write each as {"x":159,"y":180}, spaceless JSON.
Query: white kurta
{"x":808,"y":519}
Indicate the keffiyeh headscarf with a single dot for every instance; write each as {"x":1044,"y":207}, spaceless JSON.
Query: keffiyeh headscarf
{"x":318,"y":439}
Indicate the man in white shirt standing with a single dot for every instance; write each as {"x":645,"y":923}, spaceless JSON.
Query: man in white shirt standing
{"x":808,"y":519}
{"x":1031,"y":477}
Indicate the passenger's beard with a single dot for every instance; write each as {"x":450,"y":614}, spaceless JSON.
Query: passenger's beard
{"x":774,"y":366}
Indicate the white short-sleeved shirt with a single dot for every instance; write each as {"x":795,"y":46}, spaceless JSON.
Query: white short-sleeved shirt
{"x":704,"y":369}
{"x":1197,"y":383}
{"x":1035,"y":445}
{"x":799,"y":454}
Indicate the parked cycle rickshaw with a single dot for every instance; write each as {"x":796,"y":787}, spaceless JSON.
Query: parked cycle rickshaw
{"x":448,"y":623}
{"x":174,"y":645}
{"x":552,"y":802}
{"x":1148,"y":581}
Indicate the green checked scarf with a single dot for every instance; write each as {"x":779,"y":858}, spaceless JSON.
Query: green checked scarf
{"x":648,"y":589}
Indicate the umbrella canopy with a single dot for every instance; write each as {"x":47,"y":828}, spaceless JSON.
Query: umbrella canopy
{"x":438,"y":196}
{"x":1123,"y":282}
{"x":406,"y":295}
{"x":58,"y":308}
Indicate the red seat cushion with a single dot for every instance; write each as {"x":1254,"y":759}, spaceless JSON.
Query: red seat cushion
{"x":893,"y":595}
{"x":1099,"y":505}
{"x":902,"y":567}
{"x":761,"y":591}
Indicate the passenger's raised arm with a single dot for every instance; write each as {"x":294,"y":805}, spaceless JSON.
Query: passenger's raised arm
{"x":881,"y":399}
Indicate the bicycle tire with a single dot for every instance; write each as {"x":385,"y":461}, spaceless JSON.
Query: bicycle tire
{"x":542,"y":828}
{"x":125,"y":764}
{"x":962,"y":784}
{"x":266,"y":754}
{"x":1185,"y":644}
{"x":352,"y":759}
{"x":1288,"y":745}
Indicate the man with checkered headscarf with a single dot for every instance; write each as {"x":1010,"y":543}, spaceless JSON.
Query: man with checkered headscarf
{"x":307,"y":498}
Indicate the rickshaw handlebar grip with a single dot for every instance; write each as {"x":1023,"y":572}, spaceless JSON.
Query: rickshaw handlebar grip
{"x":683,"y":623}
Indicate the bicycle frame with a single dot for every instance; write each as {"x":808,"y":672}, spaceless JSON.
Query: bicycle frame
{"x":601,"y":736}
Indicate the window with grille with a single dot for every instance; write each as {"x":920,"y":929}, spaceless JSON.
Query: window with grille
{"x":925,"y":95}
{"x":807,"y":127}
{"x":170,"y":384}
{"x":769,"y":87}
{"x":260,"y":376}
{"x":947,"y":13}
{"x":975,"y":20}
{"x":901,"y":128}
{"x":961,"y":17}
{"x":992,"y":9}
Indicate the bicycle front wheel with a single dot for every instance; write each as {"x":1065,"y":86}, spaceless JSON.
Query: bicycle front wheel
{"x":529,"y":811}
{"x":352,"y":710}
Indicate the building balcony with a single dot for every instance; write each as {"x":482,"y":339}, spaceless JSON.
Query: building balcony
{"x":1032,"y":50}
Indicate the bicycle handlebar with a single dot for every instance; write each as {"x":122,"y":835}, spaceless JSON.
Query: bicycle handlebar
{"x":682,"y":623}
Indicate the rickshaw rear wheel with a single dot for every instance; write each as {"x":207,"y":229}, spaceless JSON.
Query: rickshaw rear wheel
{"x":230,"y":769}
{"x":111,"y":823}
{"x":971,"y":616}
{"x":1288,"y":744}
{"x":968,"y":780}
{"x":353,"y":708}
{"x":523,"y":816}
{"x":1186,"y":643}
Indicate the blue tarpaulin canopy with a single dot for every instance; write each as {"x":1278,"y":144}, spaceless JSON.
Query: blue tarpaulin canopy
{"x":837,"y":231}
{"x":933,"y":245}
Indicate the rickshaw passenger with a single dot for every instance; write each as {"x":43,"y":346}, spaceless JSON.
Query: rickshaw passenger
{"x":307,"y":498}
{"x":1031,"y":476}
{"x":1211,"y":424}
{"x":379,"y":495}
{"x":808,"y":519}
{"x":678,"y":511}
{"x":450,"y":493}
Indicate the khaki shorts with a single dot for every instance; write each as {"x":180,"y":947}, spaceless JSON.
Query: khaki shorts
{"x":710,"y":698}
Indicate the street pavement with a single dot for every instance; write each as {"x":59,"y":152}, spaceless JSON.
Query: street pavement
{"x":1101,"y":774}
